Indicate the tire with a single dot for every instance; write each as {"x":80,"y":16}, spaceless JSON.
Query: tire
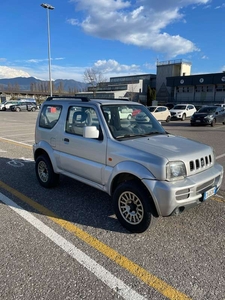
{"x":4,"y":109}
{"x":128,"y":117}
{"x":33,"y":109}
{"x":168,"y":119}
{"x":45,"y":173}
{"x":18,"y":109}
{"x":213,"y":123}
{"x":130,"y":195}
{"x":183,"y":117}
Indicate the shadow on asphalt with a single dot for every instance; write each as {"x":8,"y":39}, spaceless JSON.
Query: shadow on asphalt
{"x":71,"y":200}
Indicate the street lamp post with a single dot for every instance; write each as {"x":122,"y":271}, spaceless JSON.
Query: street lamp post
{"x":49,"y":7}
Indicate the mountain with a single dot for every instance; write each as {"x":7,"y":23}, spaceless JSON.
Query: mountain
{"x":25,"y":84}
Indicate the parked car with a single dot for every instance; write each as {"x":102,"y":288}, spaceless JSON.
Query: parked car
{"x":209,"y":115}
{"x":24,"y":106}
{"x":161,"y":113}
{"x":135,"y":112}
{"x":6,"y":105}
{"x":147,"y":171}
{"x":125,"y":112}
{"x":182,"y":111}
{"x":220,"y":104}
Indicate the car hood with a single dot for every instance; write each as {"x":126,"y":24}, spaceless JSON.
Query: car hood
{"x":202,"y":114}
{"x":154,"y":152}
{"x":168,"y":146}
{"x":176,"y":110}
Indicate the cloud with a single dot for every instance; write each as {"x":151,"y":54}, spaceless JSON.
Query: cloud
{"x":140,"y":22}
{"x":110,"y":68}
{"x":220,"y":6}
{"x":6,"y":72}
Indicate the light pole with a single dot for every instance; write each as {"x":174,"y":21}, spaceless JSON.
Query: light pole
{"x":48,"y":7}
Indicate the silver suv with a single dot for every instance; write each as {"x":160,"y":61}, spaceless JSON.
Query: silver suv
{"x":147,"y":171}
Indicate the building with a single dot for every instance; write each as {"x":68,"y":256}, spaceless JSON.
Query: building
{"x":133,"y":88}
{"x":175,"y":84}
{"x":204,"y":89}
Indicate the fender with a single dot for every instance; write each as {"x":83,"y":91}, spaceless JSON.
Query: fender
{"x":43,"y":146}
{"x":128,"y":167}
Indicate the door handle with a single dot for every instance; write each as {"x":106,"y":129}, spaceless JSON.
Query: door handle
{"x":66,"y":140}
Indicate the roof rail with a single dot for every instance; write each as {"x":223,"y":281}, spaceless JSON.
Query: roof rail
{"x":83,"y":99}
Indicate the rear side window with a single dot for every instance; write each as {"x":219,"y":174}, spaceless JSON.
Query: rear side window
{"x":49,"y":116}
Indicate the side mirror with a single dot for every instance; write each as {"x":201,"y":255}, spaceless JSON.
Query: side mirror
{"x":90,"y":132}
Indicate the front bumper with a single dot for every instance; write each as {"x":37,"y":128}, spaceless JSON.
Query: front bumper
{"x":170,"y":197}
{"x":201,"y":121}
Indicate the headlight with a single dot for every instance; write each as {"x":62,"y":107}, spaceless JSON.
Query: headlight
{"x":209,"y":117}
{"x":175,"y":170}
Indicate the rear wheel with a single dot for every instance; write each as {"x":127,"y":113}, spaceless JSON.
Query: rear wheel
{"x":132,"y":207}
{"x":45,"y":173}
{"x":33,"y":109}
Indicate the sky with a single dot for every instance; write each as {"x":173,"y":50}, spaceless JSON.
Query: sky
{"x":113,"y":37}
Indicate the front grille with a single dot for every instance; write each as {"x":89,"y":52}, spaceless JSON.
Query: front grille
{"x":201,"y":163}
{"x":205,"y":186}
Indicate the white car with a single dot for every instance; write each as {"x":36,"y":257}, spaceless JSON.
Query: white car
{"x":161,"y":113}
{"x":6,"y":105}
{"x":125,"y":113}
{"x":182,"y":111}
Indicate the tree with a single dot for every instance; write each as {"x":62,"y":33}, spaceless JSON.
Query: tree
{"x":94,"y":77}
{"x":151,"y":95}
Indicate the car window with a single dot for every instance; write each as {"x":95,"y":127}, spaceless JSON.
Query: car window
{"x":49,"y":116}
{"x":182,"y":107}
{"x":190,"y":107}
{"x":79,"y":117}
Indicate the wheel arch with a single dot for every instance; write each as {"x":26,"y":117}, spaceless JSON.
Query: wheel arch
{"x":124,"y":177}
{"x":47,"y":150}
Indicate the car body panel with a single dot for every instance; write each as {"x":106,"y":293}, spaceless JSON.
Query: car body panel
{"x":139,"y":148}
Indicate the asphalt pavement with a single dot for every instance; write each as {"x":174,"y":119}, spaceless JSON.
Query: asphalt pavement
{"x":65,"y":243}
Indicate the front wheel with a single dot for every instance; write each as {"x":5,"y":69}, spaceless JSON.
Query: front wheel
{"x":45,"y":173}
{"x":18,"y":109}
{"x":183,"y":117}
{"x":213,"y":123}
{"x":168,"y":119}
{"x":132,"y":207}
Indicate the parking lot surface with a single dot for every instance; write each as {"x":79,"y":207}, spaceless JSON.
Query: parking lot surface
{"x":65,"y":243}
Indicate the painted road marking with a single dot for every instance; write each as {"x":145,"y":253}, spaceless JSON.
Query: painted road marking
{"x":100,"y":272}
{"x":136,"y":270}
{"x":16,"y":143}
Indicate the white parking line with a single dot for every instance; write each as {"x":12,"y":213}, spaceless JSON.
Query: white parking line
{"x":117,"y":285}
{"x":220,"y":156}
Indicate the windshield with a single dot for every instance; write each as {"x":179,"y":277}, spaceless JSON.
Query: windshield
{"x":180,"y":107}
{"x":130,"y":121}
{"x":207,"y":110}
{"x":151,"y":108}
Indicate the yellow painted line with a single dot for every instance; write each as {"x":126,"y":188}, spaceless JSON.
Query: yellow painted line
{"x":136,"y":270}
{"x":218,"y":199}
{"x":15,"y":143}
